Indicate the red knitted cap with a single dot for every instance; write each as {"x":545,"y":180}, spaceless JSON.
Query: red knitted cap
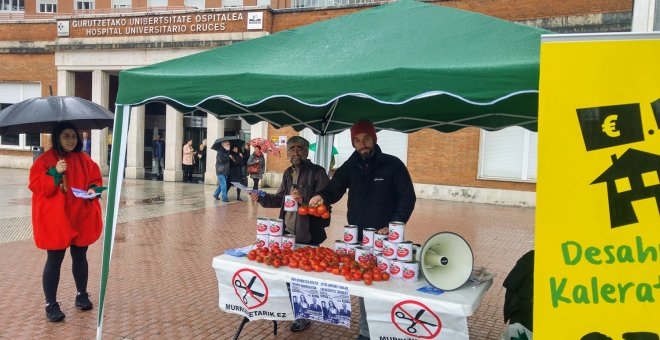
{"x":363,"y":126}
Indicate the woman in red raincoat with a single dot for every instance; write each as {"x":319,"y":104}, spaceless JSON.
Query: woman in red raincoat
{"x":59,"y":219}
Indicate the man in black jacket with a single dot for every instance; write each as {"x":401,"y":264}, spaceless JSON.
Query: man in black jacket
{"x":222,"y":171}
{"x":380,"y":190}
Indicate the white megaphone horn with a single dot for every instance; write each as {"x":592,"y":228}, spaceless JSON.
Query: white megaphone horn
{"x":446,"y":261}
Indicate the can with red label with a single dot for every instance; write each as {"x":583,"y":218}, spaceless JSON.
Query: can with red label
{"x":262,"y":240}
{"x":396,"y":231}
{"x":383,"y":263}
{"x":263,"y":226}
{"x":289,"y":241}
{"x":389,"y":250}
{"x":410,"y":271}
{"x":276,"y":227}
{"x":290,"y":204}
{"x":351,"y":234}
{"x":379,"y":240}
{"x":396,"y":269}
{"x":341,"y":248}
{"x":274,"y":241}
{"x":404,"y":251}
{"x":363,"y":254}
{"x":351,"y":249}
{"x":368,"y":237}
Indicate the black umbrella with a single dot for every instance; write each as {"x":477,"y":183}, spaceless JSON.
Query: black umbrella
{"x":39,"y":115}
{"x":233,"y":141}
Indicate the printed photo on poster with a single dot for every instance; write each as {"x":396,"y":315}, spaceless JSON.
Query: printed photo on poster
{"x":320,"y":301}
{"x":255,"y":20}
{"x":282,"y":141}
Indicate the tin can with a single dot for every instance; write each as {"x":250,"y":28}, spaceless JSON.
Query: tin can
{"x":389,"y":250}
{"x":262,"y":240}
{"x":379,"y":240}
{"x":363,"y":254}
{"x":290,"y":204}
{"x":351,"y":234}
{"x":276,"y":227}
{"x":368,"y":237}
{"x":341,"y":248}
{"x":383,"y":263}
{"x":396,"y":231}
{"x":351,"y":249}
{"x":410,"y":271}
{"x":289,"y":241}
{"x":396,"y":270}
{"x":404,"y":251}
{"x":274,"y":241}
{"x":263,"y":226}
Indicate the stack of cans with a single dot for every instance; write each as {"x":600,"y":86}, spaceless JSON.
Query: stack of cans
{"x":269,"y":234}
{"x":391,"y":252}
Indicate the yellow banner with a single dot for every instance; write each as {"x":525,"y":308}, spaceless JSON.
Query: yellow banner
{"x":597,"y":261}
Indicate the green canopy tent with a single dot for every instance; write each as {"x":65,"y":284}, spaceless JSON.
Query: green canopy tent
{"x":404,"y":65}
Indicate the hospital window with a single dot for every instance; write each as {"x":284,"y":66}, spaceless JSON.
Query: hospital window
{"x":47,"y":6}
{"x":199,"y":4}
{"x":509,"y":155}
{"x":232,"y":3}
{"x":121,"y":3}
{"x":157,"y":3}
{"x":85,"y":5}
{"x":12,"y":5}
{"x":11,"y":93}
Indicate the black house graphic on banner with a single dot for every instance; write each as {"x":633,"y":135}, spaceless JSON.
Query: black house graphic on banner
{"x":642,"y":172}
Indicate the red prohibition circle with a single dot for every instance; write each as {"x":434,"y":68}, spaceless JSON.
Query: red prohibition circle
{"x":411,"y":317}
{"x":247,"y":291}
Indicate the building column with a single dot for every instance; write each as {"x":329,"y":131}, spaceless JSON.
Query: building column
{"x":99,"y":140}
{"x":173,"y":145}
{"x":215,"y":129}
{"x":135,"y":153}
{"x":645,"y":14}
{"x":66,"y":83}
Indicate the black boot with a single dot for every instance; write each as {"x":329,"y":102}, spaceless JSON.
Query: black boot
{"x":82,"y":301}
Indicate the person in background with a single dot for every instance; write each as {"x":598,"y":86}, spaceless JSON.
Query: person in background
{"x":86,"y":146}
{"x":245,"y":152}
{"x":188,"y":156}
{"x":380,"y":190}
{"x":59,"y":219}
{"x":158,"y":152}
{"x":201,"y":156}
{"x":301,"y":180}
{"x":222,"y":171}
{"x":236,"y":162}
{"x":257,"y":157}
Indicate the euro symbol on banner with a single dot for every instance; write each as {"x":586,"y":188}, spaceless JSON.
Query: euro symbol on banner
{"x":609,"y":126}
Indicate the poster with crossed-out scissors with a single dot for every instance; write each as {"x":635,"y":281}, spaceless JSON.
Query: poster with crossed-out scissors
{"x":253,"y":294}
{"x":411,"y":319}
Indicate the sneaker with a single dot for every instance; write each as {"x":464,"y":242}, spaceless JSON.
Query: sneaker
{"x":82,"y":301}
{"x":300,"y":325}
{"x":225,"y":199}
{"x":239,"y":199}
{"x":54,"y":313}
{"x":216,"y":198}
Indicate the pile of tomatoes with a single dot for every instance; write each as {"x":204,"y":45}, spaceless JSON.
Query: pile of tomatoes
{"x":320,"y":259}
{"x":318,"y":211}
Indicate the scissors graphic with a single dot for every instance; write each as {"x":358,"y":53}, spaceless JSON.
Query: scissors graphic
{"x":248,"y":289}
{"x":414,"y":321}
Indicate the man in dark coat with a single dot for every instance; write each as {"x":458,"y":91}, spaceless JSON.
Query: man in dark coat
{"x":380,"y":190}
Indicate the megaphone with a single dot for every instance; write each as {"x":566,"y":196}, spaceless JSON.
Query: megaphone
{"x":446,"y":260}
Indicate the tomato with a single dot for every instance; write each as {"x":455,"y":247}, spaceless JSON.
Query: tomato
{"x":312,"y":211}
{"x":377,"y":277}
{"x":348,"y":277}
{"x":335,"y":271}
{"x":367,"y":275}
{"x":277,"y":263}
{"x":368,"y":282}
{"x":303,"y":210}
{"x":325,"y":215}
{"x":308,"y":268}
{"x":386,"y":276}
{"x":260,"y":259}
{"x":357,"y":276}
{"x":321,"y":209}
{"x":252,"y":257}
{"x":293,"y":264}
{"x":318,"y":268}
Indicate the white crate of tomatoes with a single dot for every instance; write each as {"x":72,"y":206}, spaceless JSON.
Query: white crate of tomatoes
{"x":321,"y":259}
